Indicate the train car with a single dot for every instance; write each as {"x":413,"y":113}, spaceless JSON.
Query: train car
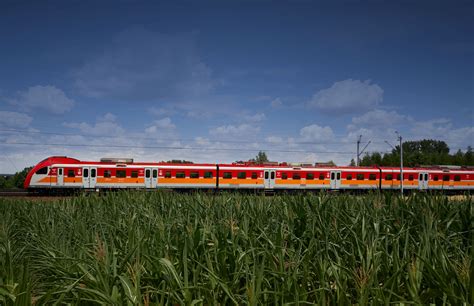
{"x":60,"y":173}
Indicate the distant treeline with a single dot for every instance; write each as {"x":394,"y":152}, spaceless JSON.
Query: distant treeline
{"x":417,"y":153}
{"x":15,"y":181}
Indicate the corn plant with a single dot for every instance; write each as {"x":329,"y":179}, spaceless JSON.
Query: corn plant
{"x":162,"y":248}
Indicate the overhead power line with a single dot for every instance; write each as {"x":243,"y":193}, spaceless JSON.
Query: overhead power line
{"x":173,"y":148}
{"x":170,"y":139}
{"x":135,"y":137}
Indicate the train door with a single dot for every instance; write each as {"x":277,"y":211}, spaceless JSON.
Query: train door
{"x":423,"y":180}
{"x":60,"y":177}
{"x":85,"y":177}
{"x":93,"y":177}
{"x":89,"y":177}
{"x":154,"y":177}
{"x":269,"y":178}
{"x":151,"y":177}
{"x":335,"y":179}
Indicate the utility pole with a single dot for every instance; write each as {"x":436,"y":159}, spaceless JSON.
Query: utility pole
{"x":358,"y":144}
{"x":401,"y":159}
{"x":401,"y":162}
{"x":360,"y":153}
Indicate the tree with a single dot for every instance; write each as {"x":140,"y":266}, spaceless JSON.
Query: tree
{"x":353,"y":163}
{"x":15,"y":181}
{"x":458,"y":158}
{"x":260,"y":158}
{"x":469,"y":157}
{"x":366,"y":160}
{"x":419,"y":153}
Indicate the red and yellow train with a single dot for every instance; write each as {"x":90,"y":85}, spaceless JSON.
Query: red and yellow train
{"x":61,"y":173}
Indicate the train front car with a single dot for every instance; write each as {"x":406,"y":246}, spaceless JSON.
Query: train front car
{"x":45,"y":176}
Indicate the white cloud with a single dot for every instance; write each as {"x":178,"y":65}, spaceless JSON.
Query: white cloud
{"x":145,"y":65}
{"x":48,"y":98}
{"x":254,"y":118}
{"x":201,"y":141}
{"x":379,"y":118}
{"x":275,"y":103}
{"x":108,"y":117}
{"x":104,"y":126}
{"x":315,"y":132}
{"x":380,"y":126}
{"x":443,"y":129}
{"x":244,"y":129}
{"x":14,"y":119}
{"x":160,"y":125}
{"x":348,"y":96}
{"x":161,"y":111}
{"x":274,"y":139}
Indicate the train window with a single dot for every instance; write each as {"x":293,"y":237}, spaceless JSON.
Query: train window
{"x":435,"y":178}
{"x":155,"y":173}
{"x":296,"y":176}
{"x":310,"y":176}
{"x":167,"y":174}
{"x":120,"y":173}
{"x":208,"y":174}
{"x":60,"y":171}
{"x":284,"y":175}
{"x":420,"y":177}
{"x":71,"y":173}
{"x":446,"y":177}
{"x":338,"y":176}
{"x":457,"y":178}
{"x":410,"y":177}
{"x":134,"y":173}
{"x":180,"y":174}
{"x":266,"y":175}
{"x":242,"y":175}
{"x":43,"y":170}
{"x":389,"y":177}
{"x":272,"y":175}
{"x":332,"y":176}
{"x":85,"y":173}
{"x":372,"y":177}
{"x":426,"y":176}
{"x":254,"y":175}
{"x":108,"y":173}
{"x":399,"y":177}
{"x":321,"y":176}
{"x":227,"y":175}
{"x":349,"y":177}
{"x":360,"y":177}
{"x":93,"y":172}
{"x":194,"y":175}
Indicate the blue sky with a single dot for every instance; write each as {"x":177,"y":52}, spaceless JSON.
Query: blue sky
{"x":215,"y":81}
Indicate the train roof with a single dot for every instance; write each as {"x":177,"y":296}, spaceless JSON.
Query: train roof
{"x":283,"y":165}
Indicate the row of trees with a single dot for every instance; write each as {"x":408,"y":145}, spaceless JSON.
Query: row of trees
{"x":15,"y":181}
{"x":416,"y":153}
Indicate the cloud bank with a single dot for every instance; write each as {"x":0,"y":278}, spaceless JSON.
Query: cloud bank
{"x":47,"y":98}
{"x":144,"y":65}
{"x":348,"y":96}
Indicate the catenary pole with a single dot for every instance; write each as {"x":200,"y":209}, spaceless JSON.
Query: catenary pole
{"x":401,"y":163}
{"x":358,"y":154}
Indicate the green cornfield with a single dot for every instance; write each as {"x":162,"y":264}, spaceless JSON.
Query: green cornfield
{"x":164,"y":248}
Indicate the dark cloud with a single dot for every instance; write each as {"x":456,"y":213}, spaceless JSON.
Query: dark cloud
{"x":144,"y":65}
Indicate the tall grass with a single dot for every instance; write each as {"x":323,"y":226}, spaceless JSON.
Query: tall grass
{"x":134,"y":248}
